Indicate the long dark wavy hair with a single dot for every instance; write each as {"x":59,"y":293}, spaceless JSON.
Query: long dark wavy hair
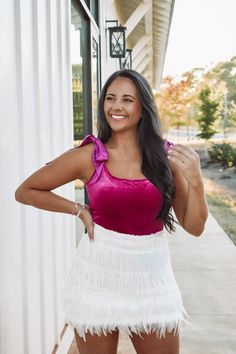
{"x":155,"y":165}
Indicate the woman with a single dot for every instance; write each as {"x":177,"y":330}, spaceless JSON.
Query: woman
{"x":123,"y":280}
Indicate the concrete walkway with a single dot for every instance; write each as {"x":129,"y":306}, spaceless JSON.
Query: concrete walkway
{"x":205,"y":269}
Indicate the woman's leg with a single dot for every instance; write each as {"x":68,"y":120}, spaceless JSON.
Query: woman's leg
{"x":151,"y":344}
{"x":98,"y":344}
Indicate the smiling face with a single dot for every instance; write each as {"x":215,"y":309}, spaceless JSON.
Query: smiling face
{"x":122,"y":106}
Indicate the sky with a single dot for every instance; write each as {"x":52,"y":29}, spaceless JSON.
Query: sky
{"x":203,"y":32}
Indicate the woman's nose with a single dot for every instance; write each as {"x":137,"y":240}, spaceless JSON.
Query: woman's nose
{"x":117,"y":105}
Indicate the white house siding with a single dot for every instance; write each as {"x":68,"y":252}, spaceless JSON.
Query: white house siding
{"x":36,"y":247}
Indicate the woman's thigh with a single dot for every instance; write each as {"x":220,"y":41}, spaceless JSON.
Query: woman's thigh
{"x":98,"y":344}
{"x":151,"y":344}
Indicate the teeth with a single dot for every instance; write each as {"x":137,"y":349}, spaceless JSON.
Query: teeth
{"x":118,"y":117}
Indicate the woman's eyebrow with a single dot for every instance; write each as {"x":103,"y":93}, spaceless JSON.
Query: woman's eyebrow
{"x":129,"y":96}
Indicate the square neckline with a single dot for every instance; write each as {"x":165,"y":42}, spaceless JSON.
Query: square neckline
{"x":120,"y":178}
{"x":123,"y":179}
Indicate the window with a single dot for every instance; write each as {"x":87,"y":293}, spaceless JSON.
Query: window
{"x":85,"y":57}
{"x":95,"y":80}
{"x":80,"y":49}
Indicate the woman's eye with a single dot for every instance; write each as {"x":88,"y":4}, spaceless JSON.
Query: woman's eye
{"x":109,"y":98}
{"x":128,"y":100}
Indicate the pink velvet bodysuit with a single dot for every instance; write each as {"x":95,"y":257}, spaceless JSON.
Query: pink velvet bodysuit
{"x":119,"y":204}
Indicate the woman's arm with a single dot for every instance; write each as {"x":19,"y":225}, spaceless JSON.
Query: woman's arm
{"x":189,"y":204}
{"x":36,"y":190}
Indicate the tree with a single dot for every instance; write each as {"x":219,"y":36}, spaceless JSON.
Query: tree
{"x":174,"y":98}
{"x":222,"y":81}
{"x":207,"y":114}
{"x":178,"y":98}
{"x":224,"y":72}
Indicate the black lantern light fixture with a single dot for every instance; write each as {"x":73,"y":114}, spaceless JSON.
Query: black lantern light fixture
{"x":117,"y":40}
{"x":126,"y":63}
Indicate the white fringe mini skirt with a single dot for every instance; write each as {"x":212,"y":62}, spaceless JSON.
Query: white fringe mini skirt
{"x":122,"y":282}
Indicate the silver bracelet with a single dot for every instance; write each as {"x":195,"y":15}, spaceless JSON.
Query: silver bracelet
{"x":75,"y":209}
{"x":81,"y":209}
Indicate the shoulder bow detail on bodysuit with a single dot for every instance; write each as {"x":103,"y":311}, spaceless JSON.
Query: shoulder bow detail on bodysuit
{"x":167,"y":145}
{"x":100,"y":155}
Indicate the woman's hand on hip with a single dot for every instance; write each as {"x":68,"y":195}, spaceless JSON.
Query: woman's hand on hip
{"x":87,"y":220}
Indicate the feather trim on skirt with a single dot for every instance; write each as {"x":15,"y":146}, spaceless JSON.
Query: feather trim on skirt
{"x":125,"y":282}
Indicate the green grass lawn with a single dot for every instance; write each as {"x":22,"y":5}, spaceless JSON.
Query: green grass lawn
{"x":224,"y":210}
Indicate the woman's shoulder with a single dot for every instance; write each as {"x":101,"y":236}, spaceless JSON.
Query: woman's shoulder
{"x":98,"y":154}
{"x":86,"y":147}
{"x":99,"y":150}
{"x":92,"y":140}
{"x":88,"y":140}
{"x":72,"y":164}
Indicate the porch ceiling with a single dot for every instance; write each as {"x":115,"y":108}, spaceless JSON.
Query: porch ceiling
{"x":148,"y":24}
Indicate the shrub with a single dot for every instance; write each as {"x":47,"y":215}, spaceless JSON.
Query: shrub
{"x":223,"y":153}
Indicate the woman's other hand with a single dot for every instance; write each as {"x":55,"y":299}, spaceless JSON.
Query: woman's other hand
{"x":189,"y":203}
{"x":187,"y":160}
